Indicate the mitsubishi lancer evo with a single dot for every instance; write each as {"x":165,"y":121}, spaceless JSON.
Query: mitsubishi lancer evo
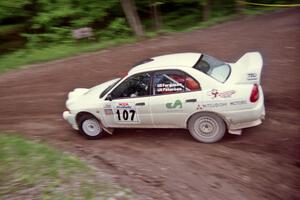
{"x":191,"y":91}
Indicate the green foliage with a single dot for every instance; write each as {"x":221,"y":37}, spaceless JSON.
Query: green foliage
{"x":13,"y":8}
{"x":117,"y":27}
{"x":27,"y":166}
{"x":70,"y":12}
{"x":34,"y":55}
{"x":173,"y":22}
{"x":55,"y":35}
{"x":55,"y":20}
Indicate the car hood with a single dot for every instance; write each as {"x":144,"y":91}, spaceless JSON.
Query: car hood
{"x":97,"y":90}
{"x":84,"y":97}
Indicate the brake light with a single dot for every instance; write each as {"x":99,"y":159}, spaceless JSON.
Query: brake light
{"x":254,"y":93}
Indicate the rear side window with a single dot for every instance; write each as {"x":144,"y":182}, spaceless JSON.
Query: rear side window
{"x":173,"y":81}
{"x":213,"y":67}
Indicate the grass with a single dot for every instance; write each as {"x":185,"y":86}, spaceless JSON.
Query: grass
{"x":30,"y":56}
{"x":23,"y":57}
{"x":32,"y":170}
{"x":258,"y":10}
{"x":211,"y":22}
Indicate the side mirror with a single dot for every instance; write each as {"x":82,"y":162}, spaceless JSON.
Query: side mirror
{"x":108,"y":97}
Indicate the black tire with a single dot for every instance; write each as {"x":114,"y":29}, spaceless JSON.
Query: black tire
{"x":206,"y":127}
{"x":90,"y":127}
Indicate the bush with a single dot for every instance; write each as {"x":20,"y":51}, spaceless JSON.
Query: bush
{"x":55,"y":35}
{"x":118,"y":28}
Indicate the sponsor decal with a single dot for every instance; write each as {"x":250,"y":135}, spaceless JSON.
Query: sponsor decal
{"x":108,"y":111}
{"x":240,"y":102}
{"x":176,"y":104}
{"x":123,"y":106}
{"x":214,"y":93}
{"x":163,"y":85}
{"x":252,"y":76}
{"x":214,"y":105}
{"x":199,"y":107}
{"x":205,"y":106}
{"x":226,"y":94}
{"x":173,"y":87}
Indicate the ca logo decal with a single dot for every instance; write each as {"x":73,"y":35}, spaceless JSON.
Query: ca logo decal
{"x":176,"y":104}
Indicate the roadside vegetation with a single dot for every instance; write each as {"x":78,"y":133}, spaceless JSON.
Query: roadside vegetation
{"x":35,"y":171}
{"x":32,"y":31}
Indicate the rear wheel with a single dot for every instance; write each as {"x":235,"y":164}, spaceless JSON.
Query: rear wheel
{"x":90,"y":127}
{"x":207,"y":127}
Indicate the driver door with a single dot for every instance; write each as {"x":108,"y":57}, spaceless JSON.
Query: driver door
{"x":129,"y":107}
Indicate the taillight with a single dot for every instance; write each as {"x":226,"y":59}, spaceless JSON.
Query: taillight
{"x":254,"y":93}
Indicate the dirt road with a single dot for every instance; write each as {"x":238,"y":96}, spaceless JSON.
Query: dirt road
{"x":263,"y":163}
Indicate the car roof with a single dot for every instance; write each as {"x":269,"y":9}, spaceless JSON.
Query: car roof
{"x":170,"y":60}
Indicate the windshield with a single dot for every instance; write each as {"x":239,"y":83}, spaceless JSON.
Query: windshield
{"x":108,"y":88}
{"x":213,"y":67}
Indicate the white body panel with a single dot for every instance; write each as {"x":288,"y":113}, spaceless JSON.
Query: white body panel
{"x":173,"y":110}
{"x":229,"y":100}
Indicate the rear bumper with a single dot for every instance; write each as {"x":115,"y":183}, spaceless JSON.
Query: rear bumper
{"x":70,"y":118}
{"x":249,"y":124}
{"x":246,"y":118}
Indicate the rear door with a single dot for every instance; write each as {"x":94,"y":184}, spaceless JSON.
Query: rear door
{"x":174,"y":98}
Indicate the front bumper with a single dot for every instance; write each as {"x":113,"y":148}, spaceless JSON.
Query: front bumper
{"x":70,"y":118}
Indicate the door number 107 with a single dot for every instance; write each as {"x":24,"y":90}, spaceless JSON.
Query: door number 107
{"x":123,"y":115}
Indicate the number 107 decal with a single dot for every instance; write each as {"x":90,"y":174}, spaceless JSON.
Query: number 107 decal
{"x":126,"y":115}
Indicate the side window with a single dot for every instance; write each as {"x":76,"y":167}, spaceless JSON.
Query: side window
{"x":173,"y":81}
{"x":191,"y":84}
{"x":135,"y":86}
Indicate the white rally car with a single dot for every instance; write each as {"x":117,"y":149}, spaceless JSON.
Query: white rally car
{"x":187,"y":90}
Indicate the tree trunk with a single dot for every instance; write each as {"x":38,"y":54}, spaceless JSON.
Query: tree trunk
{"x":240,"y":7}
{"x":156,"y":15}
{"x":132,"y":17}
{"x":206,"y":9}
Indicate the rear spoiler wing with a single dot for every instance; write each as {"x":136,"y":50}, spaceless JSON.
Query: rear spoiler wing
{"x":247,"y":70}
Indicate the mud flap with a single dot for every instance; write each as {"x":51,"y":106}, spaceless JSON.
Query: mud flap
{"x":235,"y":132}
{"x":108,"y":130}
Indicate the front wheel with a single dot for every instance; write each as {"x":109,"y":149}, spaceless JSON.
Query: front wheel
{"x":90,"y":127}
{"x":207,"y":127}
